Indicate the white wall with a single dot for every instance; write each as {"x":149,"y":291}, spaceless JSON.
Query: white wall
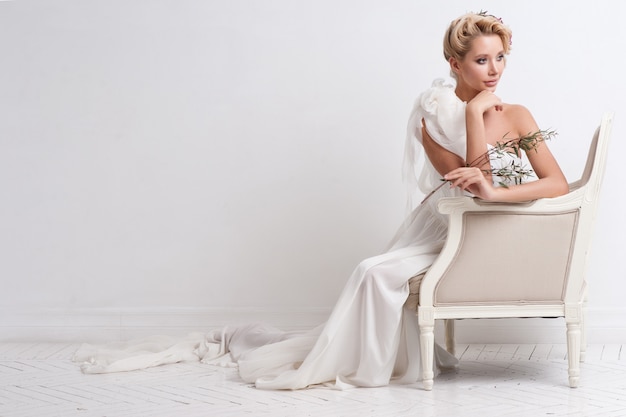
{"x":168,"y":165}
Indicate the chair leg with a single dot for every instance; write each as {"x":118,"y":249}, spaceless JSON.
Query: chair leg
{"x":427,"y":350}
{"x":573,"y":353}
{"x":449,"y":326}
{"x":426,"y":323}
{"x":583,"y":330}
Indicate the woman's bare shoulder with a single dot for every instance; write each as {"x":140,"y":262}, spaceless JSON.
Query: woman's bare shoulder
{"x":521,"y":118}
{"x":517,"y":109}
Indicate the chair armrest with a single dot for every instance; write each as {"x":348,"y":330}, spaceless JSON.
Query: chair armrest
{"x":457,"y":205}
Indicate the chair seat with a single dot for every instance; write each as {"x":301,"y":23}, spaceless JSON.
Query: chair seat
{"x":413,"y":299}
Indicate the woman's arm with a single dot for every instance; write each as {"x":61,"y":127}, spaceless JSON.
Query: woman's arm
{"x":475,"y":128}
{"x":442,"y":159}
{"x":551,"y":181}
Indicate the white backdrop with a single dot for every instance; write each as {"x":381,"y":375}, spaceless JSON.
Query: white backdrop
{"x":168,"y":165}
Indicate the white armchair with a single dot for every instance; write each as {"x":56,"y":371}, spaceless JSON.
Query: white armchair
{"x":536,"y":266}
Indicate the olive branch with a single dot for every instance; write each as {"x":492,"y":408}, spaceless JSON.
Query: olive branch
{"x":515,"y":172}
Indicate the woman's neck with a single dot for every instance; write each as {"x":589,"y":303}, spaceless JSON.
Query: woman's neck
{"x":465,"y":93}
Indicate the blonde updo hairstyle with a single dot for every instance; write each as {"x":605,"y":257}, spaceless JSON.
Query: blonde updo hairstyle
{"x":462,"y":31}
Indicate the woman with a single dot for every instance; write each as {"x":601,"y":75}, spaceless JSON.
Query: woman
{"x":368,"y":340}
{"x":477,"y":66}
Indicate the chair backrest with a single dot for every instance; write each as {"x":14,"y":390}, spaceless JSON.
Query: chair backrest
{"x":597,"y":153}
{"x":590,"y":184}
{"x":539,"y":250}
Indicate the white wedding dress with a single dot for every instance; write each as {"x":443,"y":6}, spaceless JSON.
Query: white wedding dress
{"x":368,"y":339}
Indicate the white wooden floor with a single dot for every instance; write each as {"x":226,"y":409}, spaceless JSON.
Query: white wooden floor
{"x":493,"y":380}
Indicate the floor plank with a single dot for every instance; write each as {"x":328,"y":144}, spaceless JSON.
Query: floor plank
{"x":39,"y":379}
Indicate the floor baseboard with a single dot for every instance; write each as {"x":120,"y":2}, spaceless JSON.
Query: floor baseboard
{"x":100,"y":325}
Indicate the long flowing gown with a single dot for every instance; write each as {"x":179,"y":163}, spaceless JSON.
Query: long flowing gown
{"x":368,"y":340}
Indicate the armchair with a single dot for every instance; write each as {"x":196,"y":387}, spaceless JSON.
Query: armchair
{"x":537,"y":268}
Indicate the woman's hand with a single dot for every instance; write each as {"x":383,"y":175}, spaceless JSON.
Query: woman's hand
{"x":484,"y":101}
{"x":473,"y":180}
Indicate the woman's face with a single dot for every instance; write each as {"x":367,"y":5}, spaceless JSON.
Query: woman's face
{"x":483,"y":65}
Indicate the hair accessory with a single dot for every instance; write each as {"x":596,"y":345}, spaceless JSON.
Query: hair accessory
{"x":485,"y":13}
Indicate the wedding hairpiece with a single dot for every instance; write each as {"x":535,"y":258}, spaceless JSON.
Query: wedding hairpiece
{"x":485,"y":13}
